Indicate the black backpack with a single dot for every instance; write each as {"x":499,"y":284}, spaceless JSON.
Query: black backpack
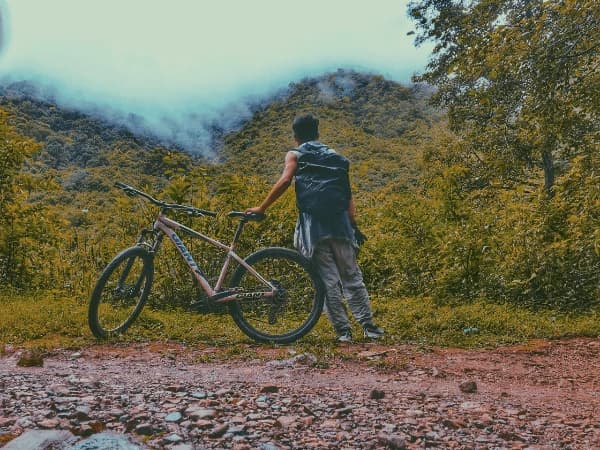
{"x":322,"y":183}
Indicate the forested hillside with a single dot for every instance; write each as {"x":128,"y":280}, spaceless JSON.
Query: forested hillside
{"x":69,"y":137}
{"x":62,"y":197}
{"x":378,"y":124}
{"x":443,"y":221}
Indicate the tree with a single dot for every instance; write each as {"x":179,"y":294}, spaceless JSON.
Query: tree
{"x":520,"y":79}
{"x":14,"y":149}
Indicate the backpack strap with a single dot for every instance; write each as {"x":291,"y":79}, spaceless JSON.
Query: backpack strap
{"x":308,"y":148}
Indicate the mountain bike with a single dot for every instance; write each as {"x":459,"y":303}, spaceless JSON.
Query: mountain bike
{"x":274,"y":295}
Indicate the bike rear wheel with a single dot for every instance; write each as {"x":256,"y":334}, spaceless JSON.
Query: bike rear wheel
{"x":121,"y":292}
{"x":291,"y":313}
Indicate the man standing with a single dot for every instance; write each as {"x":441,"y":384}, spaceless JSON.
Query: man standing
{"x":326,"y":230}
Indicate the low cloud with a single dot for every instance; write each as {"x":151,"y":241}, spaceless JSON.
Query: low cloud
{"x":178,"y":69}
{"x":3,"y":26}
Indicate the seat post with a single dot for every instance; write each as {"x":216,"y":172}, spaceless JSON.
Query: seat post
{"x":238,"y":231}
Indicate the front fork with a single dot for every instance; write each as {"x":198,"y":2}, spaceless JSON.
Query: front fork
{"x":150,"y":239}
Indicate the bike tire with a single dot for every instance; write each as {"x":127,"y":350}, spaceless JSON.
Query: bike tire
{"x":121,"y":292}
{"x":278,"y":320}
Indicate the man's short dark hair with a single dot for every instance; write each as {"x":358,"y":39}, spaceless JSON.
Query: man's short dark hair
{"x":306,"y":128}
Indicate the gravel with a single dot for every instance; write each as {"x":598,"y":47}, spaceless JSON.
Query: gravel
{"x":543,"y":396}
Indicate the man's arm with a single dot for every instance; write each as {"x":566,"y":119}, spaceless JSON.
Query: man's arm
{"x":352,"y":211}
{"x":358,"y":235}
{"x":291,"y":162}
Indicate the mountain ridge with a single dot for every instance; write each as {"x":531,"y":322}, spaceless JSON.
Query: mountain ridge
{"x":376,"y":122}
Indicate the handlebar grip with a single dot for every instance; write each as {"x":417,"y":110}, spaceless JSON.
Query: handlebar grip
{"x":255,"y":216}
{"x":128,"y":189}
{"x":247,"y":216}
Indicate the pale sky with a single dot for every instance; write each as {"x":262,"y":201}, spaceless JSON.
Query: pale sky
{"x":171,"y":55}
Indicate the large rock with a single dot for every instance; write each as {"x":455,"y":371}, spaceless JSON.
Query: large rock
{"x":31,"y":358}
{"x":376,"y":394}
{"x":201,"y":413}
{"x":105,"y":441}
{"x":145,"y":429}
{"x":40,"y":440}
{"x":286,"y":421}
{"x":173,"y":417}
{"x":218,"y":431}
{"x":392,"y":441}
{"x":468,"y":387}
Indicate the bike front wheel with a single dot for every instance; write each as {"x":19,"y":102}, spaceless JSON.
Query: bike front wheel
{"x":121,"y":292}
{"x":297,"y":305}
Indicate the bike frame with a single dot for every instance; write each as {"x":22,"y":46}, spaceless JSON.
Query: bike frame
{"x":170,"y":227}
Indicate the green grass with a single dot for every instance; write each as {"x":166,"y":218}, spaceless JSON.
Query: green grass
{"x":51,"y":320}
{"x":422,"y":321}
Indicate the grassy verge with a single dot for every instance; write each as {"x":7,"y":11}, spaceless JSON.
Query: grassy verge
{"x":51,"y":320}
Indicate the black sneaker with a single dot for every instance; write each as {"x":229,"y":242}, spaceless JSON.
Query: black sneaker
{"x":372,"y":331}
{"x":345,"y":336}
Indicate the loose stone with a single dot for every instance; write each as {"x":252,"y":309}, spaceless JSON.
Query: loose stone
{"x":468,"y":387}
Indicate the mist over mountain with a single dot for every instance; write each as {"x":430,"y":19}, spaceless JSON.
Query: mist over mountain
{"x":378,"y":123}
{"x":178,"y":70}
{"x":193,"y":131}
{"x":494,"y":202}
{"x":3,"y":27}
{"x":365,"y":116}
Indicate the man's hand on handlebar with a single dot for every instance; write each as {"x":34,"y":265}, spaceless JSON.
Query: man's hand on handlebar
{"x":256,"y":210}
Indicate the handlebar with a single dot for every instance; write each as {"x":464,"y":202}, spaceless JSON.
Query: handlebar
{"x":191,"y":210}
{"x":246,"y":216}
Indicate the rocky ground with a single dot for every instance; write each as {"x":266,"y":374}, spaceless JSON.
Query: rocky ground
{"x":544,"y":395}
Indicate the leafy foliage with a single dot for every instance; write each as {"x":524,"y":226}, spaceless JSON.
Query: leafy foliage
{"x":382,"y":138}
{"x":441,"y":224}
{"x":20,"y":223}
{"x":520,"y":83}
{"x":520,"y":80}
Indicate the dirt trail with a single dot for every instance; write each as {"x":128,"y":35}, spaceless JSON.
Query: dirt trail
{"x":542,"y":395}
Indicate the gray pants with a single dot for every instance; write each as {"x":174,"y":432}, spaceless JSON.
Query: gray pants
{"x":336,"y":263}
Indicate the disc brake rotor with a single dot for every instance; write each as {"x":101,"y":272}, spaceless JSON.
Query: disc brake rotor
{"x":279,"y":299}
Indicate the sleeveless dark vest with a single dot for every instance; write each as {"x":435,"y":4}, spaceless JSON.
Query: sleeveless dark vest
{"x":322,"y":182}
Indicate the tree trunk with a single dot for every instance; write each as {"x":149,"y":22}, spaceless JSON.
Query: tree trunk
{"x":548,"y":166}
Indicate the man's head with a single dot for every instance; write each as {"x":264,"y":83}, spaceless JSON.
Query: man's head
{"x":306,"y":128}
